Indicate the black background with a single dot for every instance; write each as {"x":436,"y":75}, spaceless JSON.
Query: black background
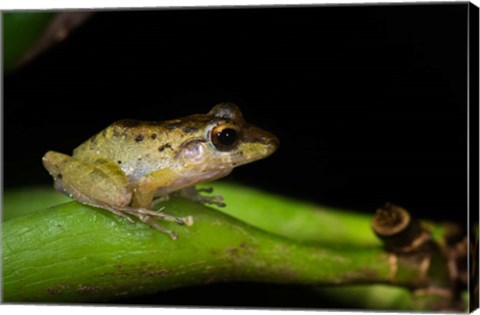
{"x":369,"y":103}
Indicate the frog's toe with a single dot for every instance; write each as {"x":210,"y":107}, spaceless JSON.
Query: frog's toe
{"x":207,"y":190}
{"x":142,"y":212}
{"x":213,"y":200}
{"x":121,"y":214}
{"x":188,"y":220}
{"x":151,"y":222}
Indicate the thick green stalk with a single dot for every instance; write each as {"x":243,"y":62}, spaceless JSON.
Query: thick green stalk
{"x":75,"y":253}
{"x":294,"y":219}
{"x":26,"y":200}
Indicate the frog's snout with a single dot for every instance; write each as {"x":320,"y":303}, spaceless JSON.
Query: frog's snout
{"x":265,"y":141}
{"x":273,"y":141}
{"x":272,"y":144}
{"x":269,"y":144}
{"x":265,"y":138}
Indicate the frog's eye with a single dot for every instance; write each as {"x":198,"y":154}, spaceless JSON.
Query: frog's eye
{"x":224,"y":138}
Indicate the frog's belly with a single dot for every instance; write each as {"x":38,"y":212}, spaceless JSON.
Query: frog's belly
{"x":137,"y":169}
{"x":192,"y":179}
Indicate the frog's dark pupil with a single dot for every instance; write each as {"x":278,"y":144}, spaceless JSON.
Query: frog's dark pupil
{"x":227,"y":136}
{"x":224,"y":138}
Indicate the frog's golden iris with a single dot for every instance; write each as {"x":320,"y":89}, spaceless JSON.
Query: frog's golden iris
{"x":224,"y":138}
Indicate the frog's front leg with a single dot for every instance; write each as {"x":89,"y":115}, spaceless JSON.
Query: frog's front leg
{"x":193,"y":193}
{"x":144,"y":192}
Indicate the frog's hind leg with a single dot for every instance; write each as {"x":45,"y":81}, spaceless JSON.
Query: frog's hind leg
{"x":88,"y":201}
{"x":101,"y":183}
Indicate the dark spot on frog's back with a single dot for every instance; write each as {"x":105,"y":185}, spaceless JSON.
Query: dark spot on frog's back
{"x":139,"y":138}
{"x":153,"y":136}
{"x":116,"y":132}
{"x":165,"y":146}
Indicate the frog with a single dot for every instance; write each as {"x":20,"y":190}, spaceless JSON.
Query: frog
{"x":131,"y":166}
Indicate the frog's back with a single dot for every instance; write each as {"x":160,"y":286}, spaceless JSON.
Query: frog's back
{"x":137,"y":147}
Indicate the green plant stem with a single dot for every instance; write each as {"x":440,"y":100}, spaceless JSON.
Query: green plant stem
{"x":294,"y":219}
{"x":19,"y":202}
{"x":75,"y":253}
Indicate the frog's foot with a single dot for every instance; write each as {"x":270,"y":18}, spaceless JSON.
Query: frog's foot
{"x":213,"y":200}
{"x":208,"y":190}
{"x":148,"y":217}
{"x":142,"y":212}
{"x":151,"y":222}
{"x":193,"y":193}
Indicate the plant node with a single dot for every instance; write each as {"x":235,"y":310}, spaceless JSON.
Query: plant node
{"x":398,"y":231}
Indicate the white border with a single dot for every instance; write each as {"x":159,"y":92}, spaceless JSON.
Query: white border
{"x":123,"y":4}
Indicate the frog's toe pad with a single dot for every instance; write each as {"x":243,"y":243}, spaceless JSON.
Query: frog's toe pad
{"x":208,"y":190}
{"x":214,"y":200}
{"x":188,"y":220}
